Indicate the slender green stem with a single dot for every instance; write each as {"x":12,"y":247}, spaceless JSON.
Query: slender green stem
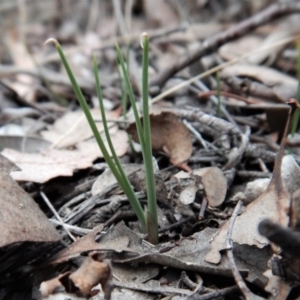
{"x":86,"y":111}
{"x":131,"y":97}
{"x":115,"y":170}
{"x":144,"y":134}
{"x":149,"y":219}
{"x":147,"y":151}
{"x":128,"y":190}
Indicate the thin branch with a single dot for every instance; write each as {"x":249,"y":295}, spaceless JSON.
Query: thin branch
{"x":229,"y":245}
{"x":273,"y":12}
{"x":216,"y":294}
{"x":57,"y":216}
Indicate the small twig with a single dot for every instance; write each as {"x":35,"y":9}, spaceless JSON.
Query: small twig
{"x":253,"y":174}
{"x":215,"y":100}
{"x":128,"y":14}
{"x":229,"y":245}
{"x":120,"y":18}
{"x":236,"y":157}
{"x":57,"y":216}
{"x":216,"y":294}
{"x":165,"y":290}
{"x":262,"y":166}
{"x":187,"y":281}
{"x":196,"y":115}
{"x":196,"y":133}
{"x":202,"y":208}
{"x":75,"y":229}
{"x":197,"y":287}
{"x":228,"y":95}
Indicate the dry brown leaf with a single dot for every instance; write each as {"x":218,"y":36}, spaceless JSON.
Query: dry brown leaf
{"x":277,"y":287}
{"x":73,"y":128}
{"x":93,"y":271}
{"x":249,"y":43}
{"x":51,"y":163}
{"x":283,"y":86}
{"x":53,"y":286}
{"x":168,"y":134}
{"x":272,"y":204}
{"x":21,"y":218}
{"x":210,"y":179}
{"x":87,"y":243}
{"x":215,"y":184}
{"x":239,"y":47}
{"x":107,"y":178}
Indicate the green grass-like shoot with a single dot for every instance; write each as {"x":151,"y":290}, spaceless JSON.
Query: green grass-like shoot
{"x":125,"y":184}
{"x":147,"y":151}
{"x":114,"y":165}
{"x":144,"y":134}
{"x":148,"y":219}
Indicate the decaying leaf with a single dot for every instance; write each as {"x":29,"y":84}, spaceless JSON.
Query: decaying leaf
{"x":28,"y":144}
{"x":283,"y":86}
{"x":210,"y":179}
{"x":273,"y":204}
{"x":255,"y":188}
{"x":169,"y":135}
{"x":93,"y":271}
{"x":188,"y":187}
{"x":21,"y":218}
{"x":252,"y":42}
{"x":73,"y":128}
{"x":276,"y":286}
{"x":87,"y":243}
{"x":215,"y":184}
{"x":53,"y":286}
{"x":107,"y":178}
{"x":51,"y":163}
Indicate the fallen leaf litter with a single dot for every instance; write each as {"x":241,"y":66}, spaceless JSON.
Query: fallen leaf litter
{"x":217,"y":155}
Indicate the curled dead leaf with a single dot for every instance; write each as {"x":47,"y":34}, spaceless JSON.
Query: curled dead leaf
{"x":54,"y":285}
{"x":169,"y":135}
{"x":93,"y":271}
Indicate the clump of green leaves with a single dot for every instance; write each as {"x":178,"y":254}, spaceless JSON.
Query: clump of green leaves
{"x":147,"y":218}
